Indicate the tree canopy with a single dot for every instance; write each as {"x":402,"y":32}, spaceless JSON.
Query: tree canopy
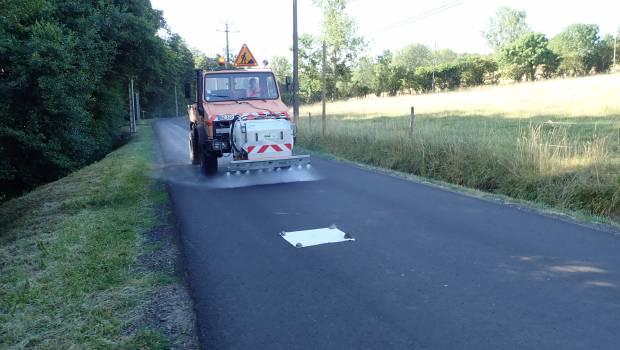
{"x":505,"y":27}
{"x":523,"y":56}
{"x":338,"y":31}
{"x":577,"y":45}
{"x":64,"y":69}
{"x":518,"y":54}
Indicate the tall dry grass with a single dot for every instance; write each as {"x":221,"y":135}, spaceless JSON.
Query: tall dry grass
{"x":549,"y":155}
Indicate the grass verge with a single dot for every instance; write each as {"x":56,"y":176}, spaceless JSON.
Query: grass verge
{"x":574,"y":216}
{"x":70,"y":275}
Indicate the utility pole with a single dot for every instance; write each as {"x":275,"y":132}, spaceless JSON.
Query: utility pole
{"x":227,"y":47}
{"x":411,"y":119}
{"x":137,"y":107}
{"x":176,"y":102}
{"x":132,"y":108}
{"x":434,"y":64}
{"x":130,"y":96}
{"x":324,"y":90}
{"x":227,"y":30}
{"x":295,"y":66}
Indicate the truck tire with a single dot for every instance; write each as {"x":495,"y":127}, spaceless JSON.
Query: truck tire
{"x":208,"y":163}
{"x":194,"y":150}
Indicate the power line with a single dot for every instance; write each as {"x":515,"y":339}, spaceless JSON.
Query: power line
{"x":423,"y":14}
{"x":420,"y":16}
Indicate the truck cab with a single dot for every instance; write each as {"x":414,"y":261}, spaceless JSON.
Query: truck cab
{"x":240,"y":112}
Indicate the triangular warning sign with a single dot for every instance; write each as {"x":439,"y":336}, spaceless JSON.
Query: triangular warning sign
{"x":245,"y":58}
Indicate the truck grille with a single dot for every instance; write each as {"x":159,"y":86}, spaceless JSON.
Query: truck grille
{"x":221,"y":138}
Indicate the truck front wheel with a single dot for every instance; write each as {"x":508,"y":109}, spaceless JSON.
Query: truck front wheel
{"x":194,"y":151}
{"x":208,"y":163}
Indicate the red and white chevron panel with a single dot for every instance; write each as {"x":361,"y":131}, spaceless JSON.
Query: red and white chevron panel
{"x":269,"y":151}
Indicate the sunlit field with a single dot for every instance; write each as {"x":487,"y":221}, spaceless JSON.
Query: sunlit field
{"x":589,"y":96}
{"x":553,"y":142}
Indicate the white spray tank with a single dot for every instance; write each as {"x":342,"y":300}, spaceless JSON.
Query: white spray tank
{"x":263,"y":141}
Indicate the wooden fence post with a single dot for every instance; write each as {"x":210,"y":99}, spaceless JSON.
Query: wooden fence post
{"x":411,"y":118}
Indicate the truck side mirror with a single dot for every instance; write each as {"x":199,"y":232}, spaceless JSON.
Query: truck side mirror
{"x":188,"y":90}
{"x":288,"y":81}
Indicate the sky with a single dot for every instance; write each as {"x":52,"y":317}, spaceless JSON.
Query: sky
{"x":266,"y":25}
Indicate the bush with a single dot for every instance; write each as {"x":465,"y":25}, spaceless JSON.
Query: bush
{"x":474,"y":70}
{"x":448,"y":76}
{"x":65,"y":66}
{"x":423,"y":79}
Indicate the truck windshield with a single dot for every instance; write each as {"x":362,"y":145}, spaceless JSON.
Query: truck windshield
{"x":240,"y":86}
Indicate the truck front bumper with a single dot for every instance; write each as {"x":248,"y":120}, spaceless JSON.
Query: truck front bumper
{"x":272,"y":163}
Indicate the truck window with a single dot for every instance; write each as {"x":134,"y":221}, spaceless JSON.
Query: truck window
{"x":217,"y":84}
{"x":240,"y":86}
{"x":271,"y":88}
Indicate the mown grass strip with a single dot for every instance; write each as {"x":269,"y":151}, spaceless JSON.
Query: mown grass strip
{"x":69,"y":275}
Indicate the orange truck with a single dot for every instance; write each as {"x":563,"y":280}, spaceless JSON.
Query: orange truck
{"x":239,"y":114}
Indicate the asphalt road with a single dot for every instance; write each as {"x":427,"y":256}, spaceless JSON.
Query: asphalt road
{"x":429,"y":269}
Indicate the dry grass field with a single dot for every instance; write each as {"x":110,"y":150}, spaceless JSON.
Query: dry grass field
{"x":553,"y":142}
{"x":594,"y":96}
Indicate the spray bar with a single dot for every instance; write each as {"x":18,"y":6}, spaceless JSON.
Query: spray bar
{"x":242,"y":165}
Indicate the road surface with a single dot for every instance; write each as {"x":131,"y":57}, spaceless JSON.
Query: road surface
{"x":429,"y":268}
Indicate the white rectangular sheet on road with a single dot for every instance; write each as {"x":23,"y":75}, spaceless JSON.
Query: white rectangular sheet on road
{"x":307,"y":238}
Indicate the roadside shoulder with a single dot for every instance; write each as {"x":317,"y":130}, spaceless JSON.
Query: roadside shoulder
{"x":86,"y":260}
{"x":572,"y":216}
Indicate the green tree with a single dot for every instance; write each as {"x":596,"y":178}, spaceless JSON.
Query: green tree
{"x":310,"y":63}
{"x":448,"y":76}
{"x":604,"y":53}
{"x":388,"y":76}
{"x":204,"y":62}
{"x":382,"y":73}
{"x":413,"y":55}
{"x":423,"y":81}
{"x":617,"y":47}
{"x":475,"y":69}
{"x":525,"y":55}
{"x":363,"y":77}
{"x":64,"y":68}
{"x":577,"y":48}
{"x":505,"y":27}
{"x":407,"y":60}
{"x":282,"y":68}
{"x":445,"y":56}
{"x":180,"y":68}
{"x":343,"y":45}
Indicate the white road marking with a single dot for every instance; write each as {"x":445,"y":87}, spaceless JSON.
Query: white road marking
{"x":307,"y":238}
